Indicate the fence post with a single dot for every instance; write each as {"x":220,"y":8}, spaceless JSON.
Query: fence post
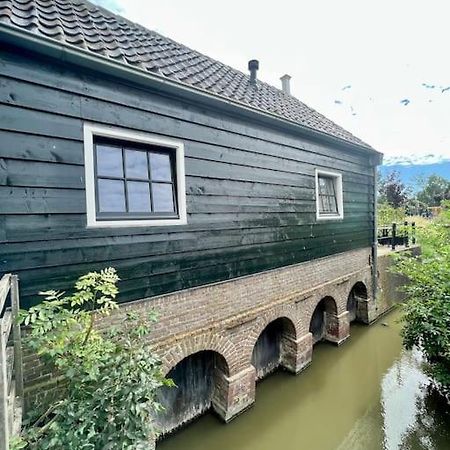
{"x":406,"y":234}
{"x":394,"y":235}
{"x":4,"y":424}
{"x":17,"y":337}
{"x":413,"y":233}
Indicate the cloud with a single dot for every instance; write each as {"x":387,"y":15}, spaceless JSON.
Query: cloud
{"x":112,"y":5}
{"x":381,"y":68}
{"x":416,"y":160}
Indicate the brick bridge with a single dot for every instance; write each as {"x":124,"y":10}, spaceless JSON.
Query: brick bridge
{"x":311,"y":301}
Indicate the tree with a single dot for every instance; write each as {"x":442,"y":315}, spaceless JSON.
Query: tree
{"x":111,"y":377}
{"x":427,"y":311}
{"x":435,"y":189}
{"x":391,"y":190}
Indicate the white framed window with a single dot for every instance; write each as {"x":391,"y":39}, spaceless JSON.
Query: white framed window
{"x":132,"y":178}
{"x":329,"y":197}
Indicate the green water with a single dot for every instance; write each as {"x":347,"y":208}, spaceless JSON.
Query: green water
{"x":365,"y":395}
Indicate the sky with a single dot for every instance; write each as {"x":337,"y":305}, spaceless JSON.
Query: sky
{"x":377,"y":68}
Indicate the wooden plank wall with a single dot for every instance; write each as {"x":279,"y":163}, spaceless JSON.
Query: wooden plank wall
{"x":250,"y":189}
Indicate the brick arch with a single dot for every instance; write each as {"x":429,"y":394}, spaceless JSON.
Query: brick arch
{"x":332,"y":305}
{"x":359,"y":284}
{"x":364,"y":278}
{"x":204,"y":342}
{"x":357,"y":301}
{"x":286,"y":312}
{"x":322,"y":316}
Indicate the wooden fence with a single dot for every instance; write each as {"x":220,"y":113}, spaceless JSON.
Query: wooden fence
{"x":11,"y":377}
{"x":397,"y":234}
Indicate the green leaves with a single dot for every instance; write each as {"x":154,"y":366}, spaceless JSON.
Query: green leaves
{"x":112,"y":377}
{"x":427,"y":312}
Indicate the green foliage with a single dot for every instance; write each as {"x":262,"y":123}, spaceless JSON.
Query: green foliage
{"x":111,"y":377}
{"x":435,"y":189}
{"x":17,"y":443}
{"x":427,"y":312}
{"x":387,"y":214}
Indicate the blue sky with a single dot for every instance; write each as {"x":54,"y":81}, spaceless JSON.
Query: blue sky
{"x":390,"y":56}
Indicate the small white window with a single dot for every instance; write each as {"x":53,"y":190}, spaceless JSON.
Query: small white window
{"x":329,"y":198}
{"x":133,"y":179}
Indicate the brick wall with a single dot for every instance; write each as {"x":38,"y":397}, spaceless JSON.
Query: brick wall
{"x":389,"y":283}
{"x":228,"y":317}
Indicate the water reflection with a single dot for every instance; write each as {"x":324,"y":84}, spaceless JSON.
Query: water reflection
{"x":414,"y":415}
{"x":365,"y":395}
{"x":403,"y":390}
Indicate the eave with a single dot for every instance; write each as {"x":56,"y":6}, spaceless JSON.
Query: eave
{"x":83,"y":58}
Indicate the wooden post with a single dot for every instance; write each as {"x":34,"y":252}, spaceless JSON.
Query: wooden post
{"x":4,"y":423}
{"x":394,"y":235}
{"x":413,"y":233}
{"x":406,"y":234}
{"x":17,"y":337}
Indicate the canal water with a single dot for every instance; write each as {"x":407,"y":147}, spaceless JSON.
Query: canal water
{"x":368,"y":394}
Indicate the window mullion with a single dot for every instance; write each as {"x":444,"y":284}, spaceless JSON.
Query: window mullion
{"x":125,"y":180}
{"x":150,"y":181}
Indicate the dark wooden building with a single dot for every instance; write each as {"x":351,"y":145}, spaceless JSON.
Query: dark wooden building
{"x":252,"y":213}
{"x":120,"y":147}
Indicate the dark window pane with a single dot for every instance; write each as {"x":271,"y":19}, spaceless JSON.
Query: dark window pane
{"x":160,"y":167}
{"x":327,"y":195}
{"x":138,"y":196}
{"x":322,"y":204}
{"x":326,"y":185}
{"x":109,"y":161}
{"x":136,"y":164}
{"x":111,"y":196}
{"x":162,"y":197}
{"x":334,"y":207}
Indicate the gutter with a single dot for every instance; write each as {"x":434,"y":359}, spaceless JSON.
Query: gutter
{"x":84,"y":58}
{"x":379,"y":160}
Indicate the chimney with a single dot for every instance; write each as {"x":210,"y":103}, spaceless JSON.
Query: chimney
{"x":286,"y":84}
{"x":253,"y":66}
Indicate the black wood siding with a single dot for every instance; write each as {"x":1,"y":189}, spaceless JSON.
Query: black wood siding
{"x":250,"y":189}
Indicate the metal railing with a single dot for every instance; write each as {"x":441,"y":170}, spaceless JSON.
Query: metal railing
{"x":11,"y":376}
{"x":397,"y":234}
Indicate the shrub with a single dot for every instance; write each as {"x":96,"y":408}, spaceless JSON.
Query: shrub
{"x":427,"y":312}
{"x":387,"y":214}
{"x":111,"y":377}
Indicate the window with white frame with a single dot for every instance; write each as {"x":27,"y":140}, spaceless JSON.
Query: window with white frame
{"x":329,"y":198}
{"x":133,"y":179}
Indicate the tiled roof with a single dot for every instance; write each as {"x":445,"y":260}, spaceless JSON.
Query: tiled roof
{"x":81,"y":24}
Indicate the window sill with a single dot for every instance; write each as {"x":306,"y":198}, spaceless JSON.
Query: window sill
{"x":330,"y":217}
{"x":136,"y":223}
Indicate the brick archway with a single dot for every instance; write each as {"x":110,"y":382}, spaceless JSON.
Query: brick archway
{"x":327,"y":323}
{"x":279,"y":328}
{"x":286,"y":312}
{"x":171,"y":356}
{"x":234,"y":388}
{"x":357,"y":303}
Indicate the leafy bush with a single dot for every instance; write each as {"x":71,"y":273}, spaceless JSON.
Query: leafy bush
{"x":427,"y":312}
{"x":387,"y":214}
{"x":111,"y":377}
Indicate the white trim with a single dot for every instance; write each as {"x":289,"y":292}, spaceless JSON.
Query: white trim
{"x":339,"y":195}
{"x":90,"y":130}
